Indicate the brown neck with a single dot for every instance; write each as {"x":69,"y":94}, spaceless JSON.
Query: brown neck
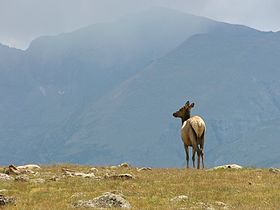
{"x":186,"y":117}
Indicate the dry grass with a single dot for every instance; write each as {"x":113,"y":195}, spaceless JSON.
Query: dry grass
{"x":238,"y":189}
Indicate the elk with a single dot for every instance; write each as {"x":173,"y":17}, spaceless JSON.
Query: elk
{"x":192,"y":132}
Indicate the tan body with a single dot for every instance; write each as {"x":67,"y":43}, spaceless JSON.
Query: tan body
{"x":192,"y":132}
{"x":196,"y":124}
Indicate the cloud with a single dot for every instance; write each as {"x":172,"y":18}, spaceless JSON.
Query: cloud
{"x":22,"y":21}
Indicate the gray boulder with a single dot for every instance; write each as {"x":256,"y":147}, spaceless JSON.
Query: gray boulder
{"x":5,"y":177}
{"x":228,"y":166}
{"x":274,"y":170}
{"x":180,"y":198}
{"x":22,"y":178}
{"x":106,"y":200}
{"x":144,"y":169}
{"x":4,"y":200}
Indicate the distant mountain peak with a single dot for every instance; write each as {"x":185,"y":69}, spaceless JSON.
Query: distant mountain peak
{"x":6,"y":47}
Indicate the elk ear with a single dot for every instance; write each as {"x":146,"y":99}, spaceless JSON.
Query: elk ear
{"x":192,"y":105}
{"x":187,"y":103}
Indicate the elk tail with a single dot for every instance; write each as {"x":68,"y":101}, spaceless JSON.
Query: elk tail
{"x":197,"y":138}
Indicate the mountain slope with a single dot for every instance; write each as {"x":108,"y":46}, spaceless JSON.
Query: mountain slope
{"x":106,"y":93}
{"x":59,"y":77}
{"x":231,"y":73}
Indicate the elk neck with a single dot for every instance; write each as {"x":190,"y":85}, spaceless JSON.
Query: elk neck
{"x":186,"y":116}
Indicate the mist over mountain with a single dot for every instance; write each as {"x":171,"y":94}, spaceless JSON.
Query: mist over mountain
{"x":106,"y":93}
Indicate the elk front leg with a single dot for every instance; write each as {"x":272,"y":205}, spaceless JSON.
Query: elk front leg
{"x":187,"y":154}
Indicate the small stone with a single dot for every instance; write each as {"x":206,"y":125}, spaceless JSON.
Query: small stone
{"x":4,"y":200}
{"x":144,"y":169}
{"x":84,"y":175}
{"x":29,"y":167}
{"x":124,"y":165}
{"x":274,"y":170}
{"x":54,"y":178}
{"x":71,"y":173}
{"x":22,"y":178}
{"x":221,"y":205}
{"x":205,"y":206}
{"x":67,"y":172}
{"x":13,"y":170}
{"x":210,"y":208}
{"x":119,"y":176}
{"x":106,"y":200}
{"x":180,"y":198}
{"x":126,"y":176}
{"x":27,"y":171}
{"x":5,"y":177}
{"x":93,"y":170}
{"x":229,"y":166}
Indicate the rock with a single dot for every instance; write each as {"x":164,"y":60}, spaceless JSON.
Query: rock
{"x":22,"y":178}
{"x":274,"y":170}
{"x":54,"y":178}
{"x":84,"y":175}
{"x":210,"y":208}
{"x":20,"y":169}
{"x":5,"y":177}
{"x":144,"y":169}
{"x":70,"y":173}
{"x":13,"y":170}
{"x":119,"y":176}
{"x":229,"y":166}
{"x":221,"y":205}
{"x":205,"y":206}
{"x":113,"y":167}
{"x":93,"y":170}
{"x":27,"y":171}
{"x":67,"y":172}
{"x":29,"y":167}
{"x":180,"y":198}
{"x":124,"y":165}
{"x":4,"y":200}
{"x":106,"y":200}
{"x":126,"y":176}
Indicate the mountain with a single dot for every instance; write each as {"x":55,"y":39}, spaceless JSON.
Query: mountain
{"x":58,"y":77}
{"x":231,"y":73}
{"x":105,"y":94}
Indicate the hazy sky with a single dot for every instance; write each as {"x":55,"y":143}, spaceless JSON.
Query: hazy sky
{"x":23,"y":20}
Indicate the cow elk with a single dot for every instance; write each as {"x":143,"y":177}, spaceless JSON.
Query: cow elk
{"x":192,"y":132}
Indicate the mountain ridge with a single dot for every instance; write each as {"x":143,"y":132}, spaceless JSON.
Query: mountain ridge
{"x":104,"y":98}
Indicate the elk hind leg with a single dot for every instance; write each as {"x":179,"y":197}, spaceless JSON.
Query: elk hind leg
{"x":202,"y":150}
{"x":193,"y":155}
{"x":198,"y":157}
{"x":187,"y":154}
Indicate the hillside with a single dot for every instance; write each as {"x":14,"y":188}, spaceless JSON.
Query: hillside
{"x":53,"y":187}
{"x":59,"y":77}
{"x":105,"y":94}
{"x":231,"y":74}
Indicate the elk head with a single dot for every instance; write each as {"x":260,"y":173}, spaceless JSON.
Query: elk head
{"x":184,"y":112}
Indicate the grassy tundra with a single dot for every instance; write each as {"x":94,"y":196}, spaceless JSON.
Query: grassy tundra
{"x":150,"y":189}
